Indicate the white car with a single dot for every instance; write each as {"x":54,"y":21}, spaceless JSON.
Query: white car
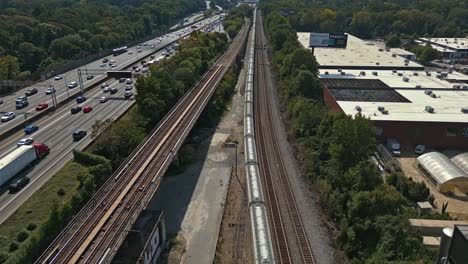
{"x":103,"y":99}
{"x":72,"y":85}
{"x":128,"y":94}
{"x":128,"y":81}
{"x":58,"y":77}
{"x":128,"y":87}
{"x":104,"y":85}
{"x":130,"y":52}
{"x":25,"y":141}
{"x":8,"y":116}
{"x":106,"y":89}
{"x":102,"y":65}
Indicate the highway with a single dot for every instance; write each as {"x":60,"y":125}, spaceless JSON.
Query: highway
{"x":62,"y":92}
{"x":55,"y":130}
{"x":96,"y":232}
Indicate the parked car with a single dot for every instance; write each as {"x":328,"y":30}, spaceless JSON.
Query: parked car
{"x":80,"y":99}
{"x":50,"y":90}
{"x":79,"y":134}
{"x":128,"y":94}
{"x":72,"y":85}
{"x":30,"y":129}
{"x":8,"y":116}
{"x":25,"y":141}
{"x":75,"y":109}
{"x":113,"y":90}
{"x":103,"y":99}
{"x":89,"y":77}
{"x":420,"y":149}
{"x":18,"y":184}
{"x":58,"y":77}
{"x":31,"y":92}
{"x":87,"y":109}
{"x":42,"y":106}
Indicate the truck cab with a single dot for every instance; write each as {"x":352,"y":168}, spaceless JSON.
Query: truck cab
{"x":41,"y":149}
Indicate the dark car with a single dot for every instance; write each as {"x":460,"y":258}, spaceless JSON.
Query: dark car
{"x":79,"y":134}
{"x":75,"y":109}
{"x":21,"y":104}
{"x":113,"y":90}
{"x":80,"y":99}
{"x":89,"y":77}
{"x":121,"y":80}
{"x":18,"y":184}
{"x":105,"y":60}
{"x":30,"y":129}
{"x":31,"y":92}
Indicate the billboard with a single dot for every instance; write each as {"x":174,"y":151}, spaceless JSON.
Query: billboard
{"x":329,"y":40}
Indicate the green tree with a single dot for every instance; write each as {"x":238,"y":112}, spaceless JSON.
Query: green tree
{"x":392,"y":41}
{"x":9,"y":67}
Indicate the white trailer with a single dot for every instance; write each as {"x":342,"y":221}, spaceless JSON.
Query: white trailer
{"x":16,"y":161}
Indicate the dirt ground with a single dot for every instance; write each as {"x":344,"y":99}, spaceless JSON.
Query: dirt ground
{"x":456,"y":207}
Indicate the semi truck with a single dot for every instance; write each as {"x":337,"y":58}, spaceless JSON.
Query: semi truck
{"x":20,"y":158}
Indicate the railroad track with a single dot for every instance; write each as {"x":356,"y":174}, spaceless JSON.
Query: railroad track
{"x":271,"y":164}
{"x":97,"y":231}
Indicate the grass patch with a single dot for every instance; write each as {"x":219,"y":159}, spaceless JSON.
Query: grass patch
{"x":36,"y":210}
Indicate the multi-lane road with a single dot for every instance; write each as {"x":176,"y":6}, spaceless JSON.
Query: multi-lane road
{"x":62,"y":92}
{"x":56,"y":128}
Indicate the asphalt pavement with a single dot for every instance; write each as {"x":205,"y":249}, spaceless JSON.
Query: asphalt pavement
{"x":63,"y":92}
{"x":56,"y":128}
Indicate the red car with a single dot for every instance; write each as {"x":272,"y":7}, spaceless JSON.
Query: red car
{"x":42,"y":106}
{"x":87,"y":109}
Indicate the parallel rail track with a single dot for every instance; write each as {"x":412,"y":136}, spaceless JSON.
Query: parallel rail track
{"x":271,"y":162}
{"x":97,"y":231}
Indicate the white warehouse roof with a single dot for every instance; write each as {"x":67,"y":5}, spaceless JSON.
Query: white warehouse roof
{"x":441,"y":168}
{"x":358,"y":54}
{"x":462,"y":161}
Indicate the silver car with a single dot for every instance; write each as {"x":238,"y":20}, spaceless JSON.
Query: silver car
{"x":25,"y":141}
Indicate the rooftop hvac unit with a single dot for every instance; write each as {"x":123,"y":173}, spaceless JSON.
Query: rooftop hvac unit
{"x":406,"y":60}
{"x":343,"y":73}
{"x":375,"y":73}
{"x":394,"y":70}
{"x":415,"y":73}
{"x":433,"y":95}
{"x":363,"y":73}
{"x":464,"y":110}
{"x":384,"y":112}
{"x":400,"y":74}
{"x":428,"y":92}
{"x":380,"y":108}
{"x":326,"y":73}
{"x":439,"y":75}
{"x":394,"y":55}
{"x":444,"y":74}
{"x":377,"y":63}
{"x":406,"y":64}
{"x":456,"y":86}
{"x":429,"y":109}
{"x":428,"y":74}
{"x":405,"y":79}
{"x":418,"y":86}
{"x":339,"y":70}
{"x":358,"y":108}
{"x":380,"y":49}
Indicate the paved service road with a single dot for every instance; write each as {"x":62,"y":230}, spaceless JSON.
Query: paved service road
{"x":55,"y":130}
{"x":62,"y":92}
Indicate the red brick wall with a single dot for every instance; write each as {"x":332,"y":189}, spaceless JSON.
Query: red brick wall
{"x":433,"y":135}
{"x":330,"y":100}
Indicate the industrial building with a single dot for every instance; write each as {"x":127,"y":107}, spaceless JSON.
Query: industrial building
{"x":361,"y":54}
{"x":446,"y":175}
{"x":450,"y":48}
{"x":401,"y":99}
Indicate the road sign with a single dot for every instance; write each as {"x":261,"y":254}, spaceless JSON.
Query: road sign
{"x":328,"y":40}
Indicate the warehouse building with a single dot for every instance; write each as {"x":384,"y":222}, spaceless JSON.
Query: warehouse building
{"x":443,"y":172}
{"x":450,"y":48}
{"x":361,"y":54}
{"x":401,"y":99}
